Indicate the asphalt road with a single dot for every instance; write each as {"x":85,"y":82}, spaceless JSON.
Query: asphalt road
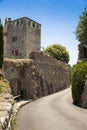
{"x":54,"y":112}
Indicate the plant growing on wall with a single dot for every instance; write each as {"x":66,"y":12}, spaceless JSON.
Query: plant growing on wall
{"x":58,"y":51}
{"x":1,"y":45}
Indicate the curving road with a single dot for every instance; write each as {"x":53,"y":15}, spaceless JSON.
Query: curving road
{"x":54,"y":112}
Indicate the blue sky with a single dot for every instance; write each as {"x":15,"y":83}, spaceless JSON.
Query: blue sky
{"x":59,"y":19}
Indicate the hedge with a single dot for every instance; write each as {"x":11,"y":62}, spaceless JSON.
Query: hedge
{"x":78,"y":81}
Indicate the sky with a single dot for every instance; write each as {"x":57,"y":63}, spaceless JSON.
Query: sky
{"x":59,"y":19}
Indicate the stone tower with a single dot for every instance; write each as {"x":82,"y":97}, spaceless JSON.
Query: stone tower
{"x":21,"y":37}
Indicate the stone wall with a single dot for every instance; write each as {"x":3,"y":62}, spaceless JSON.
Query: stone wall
{"x":6,"y":100}
{"x":36,"y":77}
{"x":54,"y":75}
{"x":23,"y":77}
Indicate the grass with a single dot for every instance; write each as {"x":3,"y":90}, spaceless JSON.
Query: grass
{"x":13,"y":123}
{"x":4,"y":86}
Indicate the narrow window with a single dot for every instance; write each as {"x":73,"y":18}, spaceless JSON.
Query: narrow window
{"x":33,"y":24}
{"x":16,"y":52}
{"x":12,"y":52}
{"x":14,"y":39}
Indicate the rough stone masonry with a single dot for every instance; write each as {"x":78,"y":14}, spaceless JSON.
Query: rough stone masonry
{"x":36,"y":77}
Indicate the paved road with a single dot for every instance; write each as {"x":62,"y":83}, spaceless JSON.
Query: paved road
{"x":54,"y":112}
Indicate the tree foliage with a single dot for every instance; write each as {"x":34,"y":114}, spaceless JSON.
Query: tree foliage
{"x":81,"y":30}
{"x":58,"y":51}
{"x":1,"y":45}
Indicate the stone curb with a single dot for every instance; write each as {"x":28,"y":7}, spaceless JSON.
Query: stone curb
{"x":5,"y":115}
{"x":18,"y":105}
{"x":8,"y":110}
{"x":16,"y":108}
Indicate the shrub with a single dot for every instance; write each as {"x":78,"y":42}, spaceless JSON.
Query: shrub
{"x":58,"y":51}
{"x":78,"y":81}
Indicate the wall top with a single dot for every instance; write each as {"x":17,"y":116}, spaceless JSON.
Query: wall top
{"x":10,"y":20}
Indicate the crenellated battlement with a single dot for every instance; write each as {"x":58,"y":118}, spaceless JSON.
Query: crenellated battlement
{"x":22,"y":21}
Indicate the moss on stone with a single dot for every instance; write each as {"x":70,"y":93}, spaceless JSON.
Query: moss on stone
{"x":13,"y":123}
{"x":4,"y":86}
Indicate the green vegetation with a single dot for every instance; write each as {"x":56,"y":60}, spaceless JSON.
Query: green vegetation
{"x":78,"y":81}
{"x":1,"y":45}
{"x":58,"y":51}
{"x":13,"y":123}
{"x":13,"y":101}
{"x":14,"y":57}
{"x":81,"y":30}
{"x":4,"y":86}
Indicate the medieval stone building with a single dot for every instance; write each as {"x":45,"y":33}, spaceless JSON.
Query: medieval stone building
{"x":82,"y":52}
{"x":21,"y":37}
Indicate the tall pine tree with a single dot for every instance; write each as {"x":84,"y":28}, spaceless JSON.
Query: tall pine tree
{"x":1,"y":45}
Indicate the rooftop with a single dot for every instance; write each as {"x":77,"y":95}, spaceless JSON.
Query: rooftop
{"x":9,"y":19}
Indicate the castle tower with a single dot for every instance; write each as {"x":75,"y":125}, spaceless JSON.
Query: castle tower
{"x":21,"y":37}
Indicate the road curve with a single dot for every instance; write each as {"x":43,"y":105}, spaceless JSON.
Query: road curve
{"x":54,"y":112}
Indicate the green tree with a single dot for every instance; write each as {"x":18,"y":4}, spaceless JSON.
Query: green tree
{"x":58,"y":51}
{"x":81,"y":30}
{"x":1,"y":45}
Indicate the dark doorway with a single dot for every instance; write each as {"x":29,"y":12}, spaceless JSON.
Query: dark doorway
{"x":85,"y":52}
{"x":23,"y":94}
